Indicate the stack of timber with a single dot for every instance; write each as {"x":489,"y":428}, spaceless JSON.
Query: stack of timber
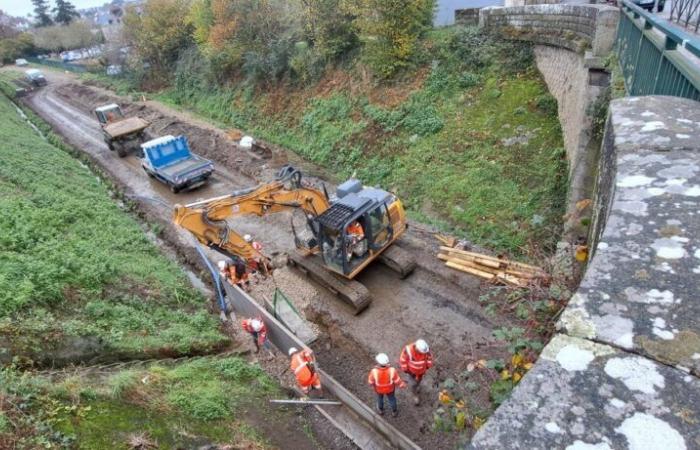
{"x":497,"y":270}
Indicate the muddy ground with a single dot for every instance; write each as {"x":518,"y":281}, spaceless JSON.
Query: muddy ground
{"x":434,"y":303}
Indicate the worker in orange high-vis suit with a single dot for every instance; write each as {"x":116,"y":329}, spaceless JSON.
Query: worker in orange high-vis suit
{"x":257,"y":329}
{"x":385,"y":379}
{"x":415,"y":360}
{"x":303,"y":367}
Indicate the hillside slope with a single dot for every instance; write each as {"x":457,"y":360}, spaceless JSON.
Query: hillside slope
{"x":470,"y":140}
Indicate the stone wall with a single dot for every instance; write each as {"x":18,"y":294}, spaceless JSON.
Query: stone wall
{"x":575,"y":27}
{"x":573,"y":75}
{"x":624,"y":370}
{"x":508,"y":3}
{"x":467,"y":17}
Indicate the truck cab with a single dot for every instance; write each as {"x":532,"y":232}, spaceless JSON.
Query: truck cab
{"x":169,"y":160}
{"x":109,"y":113}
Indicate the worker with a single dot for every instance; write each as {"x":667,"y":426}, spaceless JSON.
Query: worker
{"x":304,"y":369}
{"x":385,"y":379}
{"x":255,"y":244}
{"x":357,"y":245}
{"x":255,"y":264}
{"x":239,"y":274}
{"x":415,"y":360}
{"x":257,"y":329}
{"x":355,"y":229}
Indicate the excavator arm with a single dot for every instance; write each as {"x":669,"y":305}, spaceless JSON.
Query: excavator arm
{"x":206,"y":220}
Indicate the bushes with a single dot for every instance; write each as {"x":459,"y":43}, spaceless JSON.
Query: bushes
{"x":12,"y":48}
{"x":389,"y":31}
{"x":546,"y":103}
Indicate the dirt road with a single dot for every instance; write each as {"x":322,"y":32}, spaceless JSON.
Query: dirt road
{"x":433,"y":303}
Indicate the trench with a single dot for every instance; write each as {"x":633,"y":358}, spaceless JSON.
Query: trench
{"x":460,"y":330}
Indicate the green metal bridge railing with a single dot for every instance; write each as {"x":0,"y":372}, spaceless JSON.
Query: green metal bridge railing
{"x":648,"y":48}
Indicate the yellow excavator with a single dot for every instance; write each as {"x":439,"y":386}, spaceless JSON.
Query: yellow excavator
{"x":344,"y":234}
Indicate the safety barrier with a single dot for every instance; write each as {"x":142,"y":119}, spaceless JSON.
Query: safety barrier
{"x":283,"y":339}
{"x":650,"y":57}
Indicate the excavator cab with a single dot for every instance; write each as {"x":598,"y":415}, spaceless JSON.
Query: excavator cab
{"x":354,"y":228}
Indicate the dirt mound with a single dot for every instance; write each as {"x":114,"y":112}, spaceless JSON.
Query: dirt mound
{"x":259,"y":163}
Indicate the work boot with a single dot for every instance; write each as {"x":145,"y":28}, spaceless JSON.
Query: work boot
{"x":395,"y":413}
{"x":380,"y":411}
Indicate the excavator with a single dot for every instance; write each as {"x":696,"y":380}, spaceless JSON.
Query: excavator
{"x":343,"y":234}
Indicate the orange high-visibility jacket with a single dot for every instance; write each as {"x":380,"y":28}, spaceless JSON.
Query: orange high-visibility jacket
{"x":356,"y":229}
{"x":385,"y":380}
{"x":300,"y":366}
{"x":262,"y":334}
{"x":414,"y":362}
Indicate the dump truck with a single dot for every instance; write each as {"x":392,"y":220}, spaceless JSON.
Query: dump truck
{"x":169,"y":160}
{"x":121,"y":134}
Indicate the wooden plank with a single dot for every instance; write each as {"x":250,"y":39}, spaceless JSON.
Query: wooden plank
{"x":447,"y":240}
{"x":482,"y":261}
{"x":493,"y":258}
{"x":487,"y":273}
{"x":478,"y":273}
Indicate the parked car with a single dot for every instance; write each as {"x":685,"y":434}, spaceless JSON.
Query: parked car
{"x":35,"y":77}
{"x":114,"y":70}
{"x":169,"y":160}
{"x":649,"y":4}
{"x":21,"y":62}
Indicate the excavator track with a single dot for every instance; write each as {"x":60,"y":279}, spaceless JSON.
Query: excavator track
{"x":351,"y":292}
{"x":398,"y":260}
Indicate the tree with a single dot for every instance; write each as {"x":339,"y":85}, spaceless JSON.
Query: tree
{"x":389,"y":30}
{"x":159,"y":33}
{"x":12,"y":48}
{"x":57,"y":38}
{"x":329,"y":26}
{"x":41,"y":13}
{"x":64,"y":12}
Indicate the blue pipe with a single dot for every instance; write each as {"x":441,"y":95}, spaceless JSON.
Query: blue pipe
{"x":215,"y":277}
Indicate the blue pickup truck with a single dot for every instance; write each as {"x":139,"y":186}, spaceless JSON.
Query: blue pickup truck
{"x":169,"y":160}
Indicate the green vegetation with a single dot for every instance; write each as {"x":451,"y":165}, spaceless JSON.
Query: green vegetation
{"x":457,"y":122}
{"x":474,"y":144}
{"x":78,"y":276}
{"x":204,"y":401}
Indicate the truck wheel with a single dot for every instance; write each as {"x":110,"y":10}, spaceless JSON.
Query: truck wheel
{"x":174,"y":189}
{"x":121,"y":151}
{"x":109,"y":145}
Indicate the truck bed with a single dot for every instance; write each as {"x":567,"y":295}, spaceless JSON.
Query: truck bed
{"x":182,"y":167}
{"x":126,"y":126}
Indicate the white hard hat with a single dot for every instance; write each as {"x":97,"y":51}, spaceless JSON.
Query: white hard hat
{"x":422,"y":346}
{"x":292,"y":350}
{"x":256,"y":324}
{"x":247,"y":238}
{"x":382,"y":359}
{"x":222,"y":265}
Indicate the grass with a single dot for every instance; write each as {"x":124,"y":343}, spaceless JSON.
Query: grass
{"x":78,"y":277}
{"x":475,"y":147}
{"x":189,"y":405}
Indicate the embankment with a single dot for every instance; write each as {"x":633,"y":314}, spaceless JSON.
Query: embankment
{"x":624,"y":369}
